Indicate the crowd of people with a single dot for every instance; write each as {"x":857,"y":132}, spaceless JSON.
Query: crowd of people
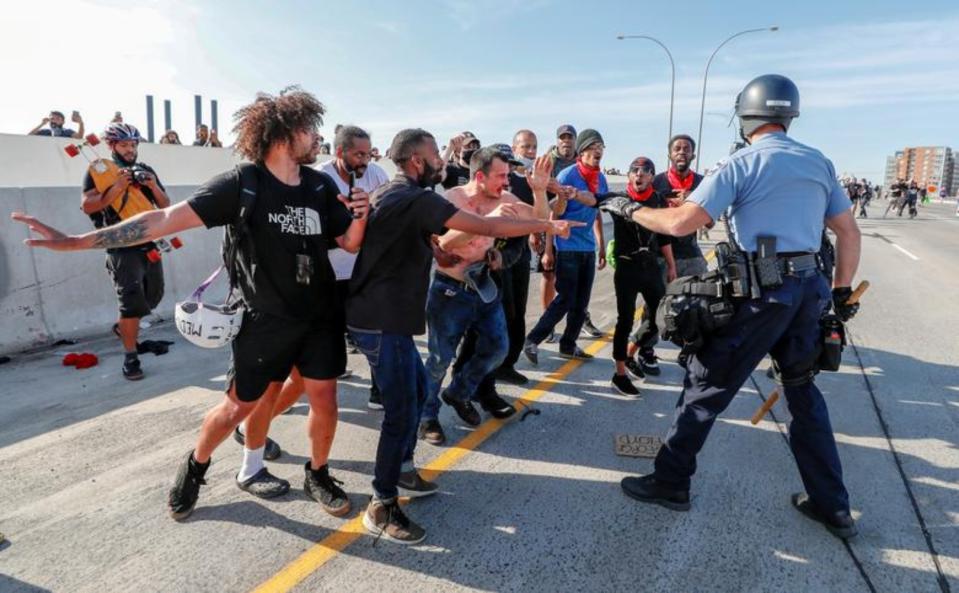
{"x":323,"y":258}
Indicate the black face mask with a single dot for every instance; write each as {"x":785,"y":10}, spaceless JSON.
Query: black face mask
{"x":467,"y":154}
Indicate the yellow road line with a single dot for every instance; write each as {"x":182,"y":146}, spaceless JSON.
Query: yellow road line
{"x":326,"y":549}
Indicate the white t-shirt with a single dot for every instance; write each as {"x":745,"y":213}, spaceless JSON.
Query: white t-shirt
{"x":343,"y":261}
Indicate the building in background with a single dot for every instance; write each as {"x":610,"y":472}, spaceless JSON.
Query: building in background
{"x":933,"y":167}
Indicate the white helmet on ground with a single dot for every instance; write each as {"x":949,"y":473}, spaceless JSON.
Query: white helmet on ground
{"x":208,"y":326}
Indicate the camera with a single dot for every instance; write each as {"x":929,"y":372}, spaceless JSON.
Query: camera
{"x":138,"y":173}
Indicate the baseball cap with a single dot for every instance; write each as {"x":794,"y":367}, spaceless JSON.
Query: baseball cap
{"x":565,"y":129}
{"x":644,"y":164}
{"x":507,"y":152}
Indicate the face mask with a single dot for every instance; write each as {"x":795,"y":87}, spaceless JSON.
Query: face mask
{"x":467,"y":154}
{"x":527,"y":163}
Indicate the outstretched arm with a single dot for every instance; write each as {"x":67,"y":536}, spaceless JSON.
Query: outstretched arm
{"x":142,"y":228}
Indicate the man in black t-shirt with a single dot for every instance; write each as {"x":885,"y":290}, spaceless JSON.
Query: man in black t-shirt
{"x":387,"y":307}
{"x":137,"y":279}
{"x":676,"y":184}
{"x":296,"y":216}
{"x":637,"y":272}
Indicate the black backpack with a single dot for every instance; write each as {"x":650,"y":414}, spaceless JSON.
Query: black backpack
{"x":239,"y":255}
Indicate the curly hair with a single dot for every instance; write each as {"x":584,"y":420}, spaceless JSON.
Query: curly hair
{"x":275,"y":119}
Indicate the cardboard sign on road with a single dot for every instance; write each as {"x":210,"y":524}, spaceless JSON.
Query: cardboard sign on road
{"x":637,"y":445}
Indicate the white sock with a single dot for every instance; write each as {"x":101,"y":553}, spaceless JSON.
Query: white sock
{"x":252,"y":463}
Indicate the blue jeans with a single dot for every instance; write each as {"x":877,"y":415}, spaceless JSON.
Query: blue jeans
{"x":575,"y":271}
{"x":452,"y":310}
{"x":399,"y":373}
{"x":785,"y":323}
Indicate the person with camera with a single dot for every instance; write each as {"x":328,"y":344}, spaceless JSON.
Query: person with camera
{"x":137,"y":279}
{"x":289,"y":317}
{"x":55,"y":128}
{"x":778,"y":194}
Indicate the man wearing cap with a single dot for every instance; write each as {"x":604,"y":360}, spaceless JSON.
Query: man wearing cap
{"x":575,"y":256}
{"x":676,"y":184}
{"x":637,"y":272}
{"x":464,"y":297}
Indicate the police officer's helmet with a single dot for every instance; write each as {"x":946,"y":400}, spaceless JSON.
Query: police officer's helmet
{"x":767,"y":99}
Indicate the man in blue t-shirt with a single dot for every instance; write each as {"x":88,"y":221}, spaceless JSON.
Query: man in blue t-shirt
{"x":576,"y":256}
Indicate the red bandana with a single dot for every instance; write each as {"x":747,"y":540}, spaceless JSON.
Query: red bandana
{"x":589,"y":174}
{"x":676,"y":182}
{"x":639,"y":196}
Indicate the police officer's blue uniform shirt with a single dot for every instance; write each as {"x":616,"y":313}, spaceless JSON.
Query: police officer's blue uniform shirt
{"x":580,"y":238}
{"x":775,"y":186}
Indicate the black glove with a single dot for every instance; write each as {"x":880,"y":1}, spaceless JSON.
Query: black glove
{"x":840,"y":295}
{"x":620,"y":206}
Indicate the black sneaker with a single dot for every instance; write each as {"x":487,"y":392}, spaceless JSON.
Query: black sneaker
{"x":186,"y":489}
{"x":432,"y":432}
{"x":649,"y":362}
{"x":325,"y":489}
{"x":634,"y":369}
{"x":622,"y":384}
{"x":841,"y":524}
{"x":496,"y":406}
{"x":131,"y":368}
{"x":412,"y":485}
{"x":376,"y":398}
{"x":386,"y":520}
{"x":464,"y":409}
{"x":591,"y":330}
{"x":576,"y":353}
{"x":271,"y":450}
{"x":531,"y":352}
{"x":263,"y":484}
{"x":510,"y":375}
{"x":647,"y":489}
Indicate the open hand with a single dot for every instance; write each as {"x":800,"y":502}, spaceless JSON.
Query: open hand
{"x":51,"y":237}
{"x":540,"y":176}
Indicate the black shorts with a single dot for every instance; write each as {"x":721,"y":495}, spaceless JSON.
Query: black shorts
{"x":138,"y":282}
{"x":268,"y":347}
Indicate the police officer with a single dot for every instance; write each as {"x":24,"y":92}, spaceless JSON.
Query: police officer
{"x":775,"y":187}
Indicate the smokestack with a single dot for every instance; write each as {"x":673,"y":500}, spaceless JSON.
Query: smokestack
{"x":167,"y":115}
{"x":150,"y":118}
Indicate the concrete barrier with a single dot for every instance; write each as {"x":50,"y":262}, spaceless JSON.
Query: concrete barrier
{"x":46,"y":295}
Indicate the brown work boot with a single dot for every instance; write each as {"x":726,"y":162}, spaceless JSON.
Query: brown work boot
{"x":385,"y":519}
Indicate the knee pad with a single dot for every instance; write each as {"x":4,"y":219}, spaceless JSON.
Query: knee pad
{"x":793,"y":377}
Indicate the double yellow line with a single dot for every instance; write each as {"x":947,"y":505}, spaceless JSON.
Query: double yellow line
{"x":327,"y":548}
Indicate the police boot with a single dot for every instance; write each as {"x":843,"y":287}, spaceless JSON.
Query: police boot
{"x":648,"y":489}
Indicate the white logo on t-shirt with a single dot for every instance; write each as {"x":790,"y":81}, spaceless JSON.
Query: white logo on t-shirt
{"x":297,"y":221}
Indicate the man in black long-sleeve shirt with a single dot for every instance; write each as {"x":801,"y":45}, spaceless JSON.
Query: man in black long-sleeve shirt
{"x":637,"y":272}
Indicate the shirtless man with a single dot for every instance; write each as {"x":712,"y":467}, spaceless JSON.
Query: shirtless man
{"x":463,"y":296}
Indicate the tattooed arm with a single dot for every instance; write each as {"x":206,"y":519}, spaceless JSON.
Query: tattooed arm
{"x":141,"y":228}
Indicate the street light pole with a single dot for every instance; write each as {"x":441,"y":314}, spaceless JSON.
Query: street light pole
{"x":702,"y":106}
{"x":672,"y":86}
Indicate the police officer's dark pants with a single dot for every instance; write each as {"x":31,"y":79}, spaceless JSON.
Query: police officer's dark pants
{"x":784,"y":323}
{"x":636,"y":274}
{"x":575,"y":271}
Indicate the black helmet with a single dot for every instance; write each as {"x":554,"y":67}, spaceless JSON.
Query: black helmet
{"x":767,"y":99}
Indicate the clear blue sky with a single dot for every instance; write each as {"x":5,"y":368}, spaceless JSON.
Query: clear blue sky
{"x":874,"y":76}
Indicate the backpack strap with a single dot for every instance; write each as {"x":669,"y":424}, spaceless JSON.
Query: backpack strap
{"x":249,"y":180}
